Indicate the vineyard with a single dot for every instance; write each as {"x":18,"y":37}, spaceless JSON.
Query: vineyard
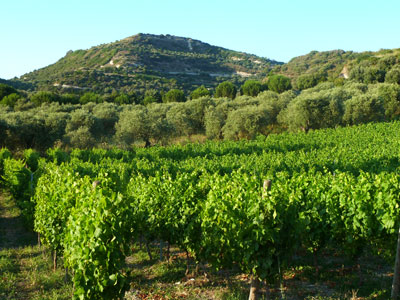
{"x":249,"y":204}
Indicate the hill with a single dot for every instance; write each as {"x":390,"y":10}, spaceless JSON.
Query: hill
{"x":367,"y":67}
{"x":146,"y":61}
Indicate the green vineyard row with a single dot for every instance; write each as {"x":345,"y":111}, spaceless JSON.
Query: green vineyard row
{"x":331,"y":187}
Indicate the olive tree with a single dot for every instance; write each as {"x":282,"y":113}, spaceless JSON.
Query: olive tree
{"x":363,"y":109}
{"x":80,"y":128}
{"x":246,"y":122}
{"x":133,"y":125}
{"x":314,"y":110}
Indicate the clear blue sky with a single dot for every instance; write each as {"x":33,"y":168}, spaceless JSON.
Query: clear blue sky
{"x":36,"y":33}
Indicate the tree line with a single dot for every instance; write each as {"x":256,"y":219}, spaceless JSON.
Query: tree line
{"x":12,"y":97}
{"x":107,"y":124}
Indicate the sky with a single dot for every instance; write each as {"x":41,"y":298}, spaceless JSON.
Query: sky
{"x":36,"y":33}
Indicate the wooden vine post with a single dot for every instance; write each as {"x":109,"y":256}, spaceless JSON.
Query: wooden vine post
{"x":54,"y":260}
{"x":254,"y":288}
{"x":396,"y":275}
{"x":255,"y":281}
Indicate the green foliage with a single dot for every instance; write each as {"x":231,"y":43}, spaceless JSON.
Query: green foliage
{"x":149,"y":99}
{"x":44,"y":97}
{"x":246,"y":122}
{"x":225,"y":89}
{"x":10,"y":100}
{"x":123,"y":99}
{"x":80,"y":129}
{"x":188,"y":118}
{"x":214,"y":120}
{"x":17,"y":178}
{"x":57,"y":155}
{"x":107,"y":124}
{"x":315,"y":109}
{"x":309,"y":80}
{"x":33,"y":129}
{"x":390,"y":93}
{"x":279,"y":83}
{"x":371,"y":74}
{"x":90,"y":97}
{"x":133,"y":125}
{"x":98,"y":220}
{"x":393,"y":76}
{"x":174,"y":95}
{"x":69,"y":98}
{"x":4,"y":154}
{"x":6,"y":90}
{"x":106,"y":116}
{"x":180,"y":117}
{"x":335,"y":187}
{"x":31,"y":158}
{"x":56,"y":193}
{"x":152,"y":96}
{"x":168,"y":208}
{"x":258,"y":233}
{"x":363,"y":109}
{"x":201,"y":91}
{"x":144,"y":62}
{"x":252,"y":88}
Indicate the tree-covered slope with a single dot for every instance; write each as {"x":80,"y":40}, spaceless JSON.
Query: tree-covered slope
{"x":366,"y":67}
{"x":147,"y":61}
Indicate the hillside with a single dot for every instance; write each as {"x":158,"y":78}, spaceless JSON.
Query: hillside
{"x":162,"y":62}
{"x":146,"y":61}
{"x":331,"y":65}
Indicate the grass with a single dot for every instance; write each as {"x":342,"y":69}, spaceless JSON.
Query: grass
{"x":338,"y":279}
{"x":26,"y":273}
{"x":25,"y":268}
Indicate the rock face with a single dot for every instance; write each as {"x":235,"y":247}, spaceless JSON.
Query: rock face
{"x":149,"y":61}
{"x":345,"y":73}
